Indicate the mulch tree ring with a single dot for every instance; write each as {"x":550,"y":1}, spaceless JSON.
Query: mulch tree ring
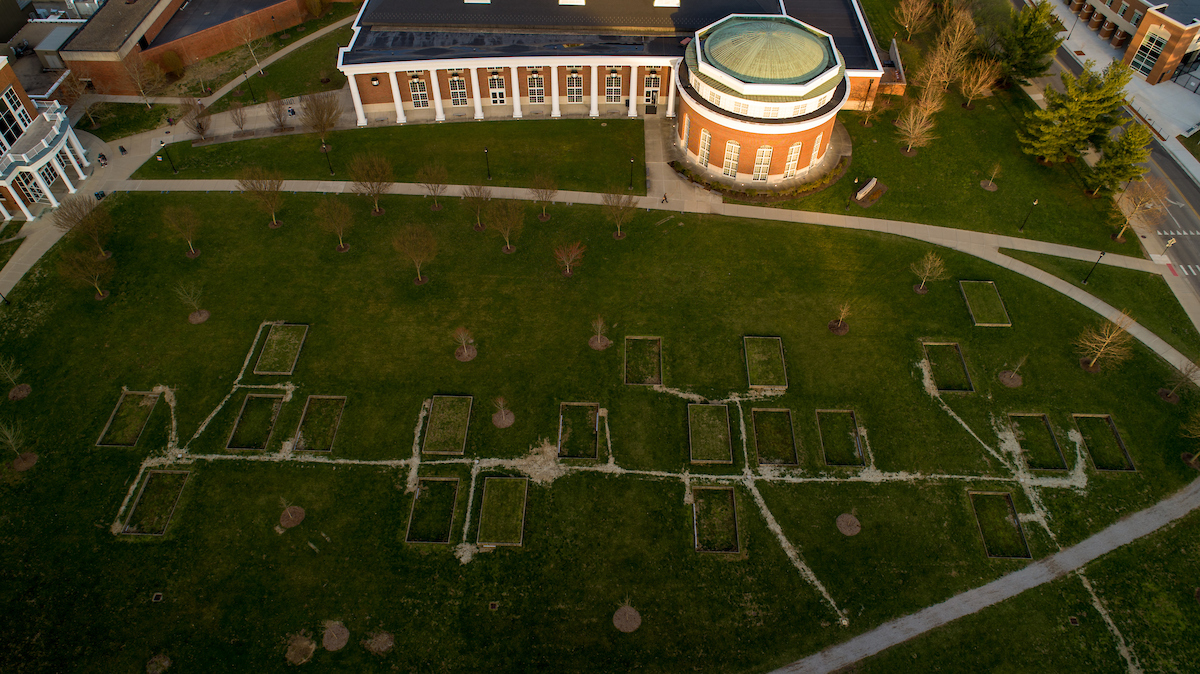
{"x":618,"y":235}
{"x":968,"y":106}
{"x":599,"y":342}
{"x":377,"y":213}
{"x":158,"y":664}
{"x":102,"y":296}
{"x":325,"y":148}
{"x":421,"y":280}
{"x":1168,"y":395}
{"x":291,"y":516}
{"x":24,"y":462}
{"x":275,"y":224}
{"x":342,"y":247}
{"x":300,"y":649}
{"x":839,"y":328}
{"x":865,"y":124}
{"x":198,"y":317}
{"x":336,"y":636}
{"x":543,"y":218}
{"x":909,"y":153}
{"x":989,"y":185}
{"x":466,"y":353}
{"x":435,"y":207}
{"x":567,"y":273}
{"x":20,"y":392}
{"x":1191,"y":460}
{"x":192,"y":254}
{"x":479,"y":227}
{"x":627,"y":619}
{"x":1198,"y":594}
{"x":919,"y":289}
{"x":105,"y":255}
{"x":1118,"y":239}
{"x":1010,"y":379}
{"x":379,"y":643}
{"x":1091,"y":369}
{"x":848,"y":524}
{"x":508,"y":250}
{"x":503,"y":418}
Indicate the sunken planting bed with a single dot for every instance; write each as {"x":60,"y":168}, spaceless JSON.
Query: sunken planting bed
{"x":578,"y":430}
{"x":128,"y":419}
{"x":985,"y":304}
{"x":714,"y":517}
{"x":281,"y":349}
{"x":155,"y":504}
{"x":999,"y":526}
{"x":255,"y":422}
{"x":449,"y":418}
{"x":502,"y":511}
{"x":774,"y":437}
{"x":319,"y":423}
{"x":431,"y":517}
{"x":643,"y":361}
{"x":708,"y":434}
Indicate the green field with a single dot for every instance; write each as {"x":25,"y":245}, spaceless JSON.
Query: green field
{"x":643,"y":360}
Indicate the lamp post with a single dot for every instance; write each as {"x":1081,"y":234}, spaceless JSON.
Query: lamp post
{"x":1089,"y":274}
{"x":1022,"y":227}
{"x":2,"y":297}
{"x":631,"y":173}
{"x":246,"y":74}
{"x":1072,"y":31}
{"x":852,"y":193}
{"x":163,"y":147}
{"x":487,"y":162}
{"x":325,"y":149}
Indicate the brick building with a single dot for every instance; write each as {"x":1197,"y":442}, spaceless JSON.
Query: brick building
{"x":1159,"y":39}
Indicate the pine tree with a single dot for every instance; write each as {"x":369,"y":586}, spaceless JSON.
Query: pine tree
{"x":1078,"y":117}
{"x":1028,"y":43}
{"x":1105,"y":93}
{"x":1122,"y":160}
{"x":1052,"y":134}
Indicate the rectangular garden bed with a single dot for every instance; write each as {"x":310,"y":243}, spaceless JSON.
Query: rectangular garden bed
{"x":128,"y":419}
{"x":948,"y":367}
{"x":1038,"y":444}
{"x":840,"y":442}
{"x":502,"y":513}
{"x":774,"y":437}
{"x":432,"y":516}
{"x":319,"y":423}
{"x":578,"y":430}
{"x":155,"y":503}
{"x":714,"y":519}
{"x":449,"y":420}
{"x":999,"y":525}
{"x":281,"y":349}
{"x":643,"y":360}
{"x":765,"y":364}
{"x":708,"y":434}
{"x":1103,"y":442}
{"x":255,"y":422}
{"x":985,"y":304}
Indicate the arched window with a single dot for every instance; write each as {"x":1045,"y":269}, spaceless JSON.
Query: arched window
{"x":816,"y":149}
{"x":705,"y":145}
{"x":762,"y":162}
{"x":793,"y":158}
{"x":732,"y":150}
{"x":687,"y":132}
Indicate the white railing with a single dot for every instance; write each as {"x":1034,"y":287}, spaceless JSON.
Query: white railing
{"x":58,"y":126}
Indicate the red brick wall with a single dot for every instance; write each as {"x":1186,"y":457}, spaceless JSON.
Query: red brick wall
{"x":780,"y":144}
{"x":862,"y":91}
{"x":380,"y":94}
{"x":109,"y":77}
{"x":8,"y":78}
{"x":226,"y":36}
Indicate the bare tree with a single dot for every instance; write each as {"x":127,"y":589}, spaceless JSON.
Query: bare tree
{"x":957,"y":40}
{"x":190,"y":294}
{"x":237,"y":112}
{"x":880,"y":106}
{"x":433,"y":177}
{"x":94,"y":229}
{"x":503,"y":418}
{"x":75,"y":93}
{"x":916,"y":128}
{"x":838,"y":326}
{"x":371,"y":176}
{"x":254,"y":44}
{"x":264,"y":188}
{"x":277,"y":110}
{"x":598,"y":341}
{"x":990,"y":183}
{"x":146,"y":77}
{"x":12,"y":372}
{"x":619,"y":209}
{"x":1142,"y":208}
{"x":1184,"y":377}
{"x":936,"y":71}
{"x":12,"y":437}
{"x":466,"y":344}
{"x":86,"y":270}
{"x":476,"y":197}
{"x":196,"y":118}
{"x":914,"y":15}
{"x":418,"y":244}
{"x":184,"y":223}
{"x":73,"y":210}
{"x":333,"y":215}
{"x":977,"y":79}
{"x":543,"y":189}
{"x":507,"y":218}
{"x":929,"y":268}
{"x":1111,"y":344}
{"x":320,"y":113}
{"x":569,"y":256}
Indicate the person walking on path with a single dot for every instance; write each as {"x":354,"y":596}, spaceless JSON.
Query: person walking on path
{"x":664,"y":199}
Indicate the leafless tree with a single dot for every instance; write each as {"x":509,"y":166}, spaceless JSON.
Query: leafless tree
{"x":254,"y":44}
{"x":569,"y":256}
{"x":237,"y":112}
{"x":190,"y":294}
{"x":466,"y":344}
{"x":476,"y":197}
{"x":433,"y":177}
{"x":320,"y":112}
{"x":196,"y":118}
{"x":843,"y":313}
{"x":277,"y":110}
{"x":931,"y":101}
{"x":333,"y":215}
{"x":598,"y":341}
{"x":619,"y":209}
{"x":84,"y":269}
{"x":12,"y":437}
{"x":929,"y":268}
{"x":75,"y":93}
{"x":418,"y":244}
{"x":1184,"y":377}
{"x":12,"y":372}
{"x":264,"y":188}
{"x":506,"y":217}
{"x":184,"y":223}
{"x":995,"y":172}
{"x":913,"y":15}
{"x":94,"y":230}
{"x":146,"y":77}
{"x":371,"y":176}
{"x":916,"y":127}
{"x":1110,"y":344}
{"x":880,"y":106}
{"x":1142,"y":208}
{"x":957,"y":40}
{"x":977,"y":79}
{"x":543,"y":189}
{"x":73,"y":210}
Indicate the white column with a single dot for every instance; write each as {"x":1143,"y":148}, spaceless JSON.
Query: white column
{"x":358,"y":109}
{"x":436,"y":84}
{"x":595,"y":100}
{"x":16,"y":195}
{"x":396,"y":97}
{"x":71,"y":157}
{"x":478,"y":94}
{"x":554,"y":111}
{"x":7,"y":215}
{"x":516,"y":90}
{"x":37,"y":177}
{"x":78,"y":147}
{"x":633,"y":77}
{"x":671,"y":93}
{"x":63,"y":174}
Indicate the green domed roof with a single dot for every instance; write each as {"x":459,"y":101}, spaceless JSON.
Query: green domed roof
{"x":767,"y":51}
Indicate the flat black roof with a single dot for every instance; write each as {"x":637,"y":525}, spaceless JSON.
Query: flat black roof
{"x":198,"y":15}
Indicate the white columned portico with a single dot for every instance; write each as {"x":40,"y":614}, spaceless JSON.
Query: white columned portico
{"x":358,"y":106}
{"x":20,"y":202}
{"x":633,"y":76}
{"x":478,"y":94}
{"x":74,"y":164}
{"x":399,"y":102}
{"x":671,"y":93}
{"x":554,"y":111}
{"x":37,"y":177}
{"x":7,"y":216}
{"x":595,"y":112}
{"x":435,"y":83}
{"x":78,"y":147}
{"x":516,"y":92}
{"x":70,"y":186}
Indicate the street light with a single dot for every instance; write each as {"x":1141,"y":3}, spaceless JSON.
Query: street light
{"x":1089,"y":274}
{"x":852,"y":193}
{"x":1070,"y":32}
{"x":631,"y":173}
{"x":163,"y":147}
{"x":325,"y":149}
{"x":488,"y":162}
{"x":1022,"y":227}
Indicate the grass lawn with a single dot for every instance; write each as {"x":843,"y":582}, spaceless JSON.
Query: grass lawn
{"x":765,"y":365}
{"x":130,"y":417}
{"x":946,"y":366}
{"x":502,"y":513}
{"x":643,"y":360}
{"x":77,"y":598}
{"x":319,"y":423}
{"x":585,"y":156}
{"x":298,"y":73}
{"x":281,"y":349}
{"x":998,"y":523}
{"x":118,"y":120}
{"x":983,"y":300}
{"x":715,"y":511}
{"x":1103,"y":442}
{"x":839,"y":438}
{"x":258,"y":415}
{"x":8,"y":249}
{"x":1192,"y":144}
{"x":152,"y":512}
{"x":433,"y":511}
{"x":708,"y":433}
{"x":449,"y":418}
{"x":1039,"y":447}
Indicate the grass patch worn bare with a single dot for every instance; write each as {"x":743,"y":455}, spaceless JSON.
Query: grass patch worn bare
{"x":840,"y":442}
{"x":643,"y":360}
{"x":999,"y":526}
{"x":255,"y":422}
{"x":985,"y":304}
{"x":765,"y":364}
{"x":1039,"y":447}
{"x":708,"y":434}
{"x":431,"y":518}
{"x":948,"y":367}
{"x":502,"y":512}
{"x":281,"y":349}
{"x":714,"y":519}
{"x":449,"y":420}
{"x":578,"y":430}
{"x":319,"y":423}
{"x":774,"y":437}
{"x":128,"y":419}
{"x":1103,"y":442}
{"x":156,"y":502}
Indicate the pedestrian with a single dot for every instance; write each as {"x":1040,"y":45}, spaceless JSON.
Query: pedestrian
{"x":664,"y":199}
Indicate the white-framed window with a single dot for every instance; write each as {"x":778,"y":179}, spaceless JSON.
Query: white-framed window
{"x":612,"y":88}
{"x":537,"y":88}
{"x":458,"y":90}
{"x":714,"y":98}
{"x":687,"y":132}
{"x":793,"y":158}
{"x":732,"y":151}
{"x":574,"y":88}
{"x":1148,"y":53}
{"x":13,"y":119}
{"x":705,"y":146}
{"x":652,"y":84}
{"x":762,"y":162}
{"x":62,"y":160}
{"x":1108,"y":3}
{"x":798,"y":110}
{"x":1121,"y":12}
{"x":816,"y":149}
{"x":48,"y":173}
{"x":420,"y":96}
{"x":771,"y":111}
{"x":741,"y":107}
{"x":30,"y":190}
{"x":496,"y":88}
{"x":1137,"y":18}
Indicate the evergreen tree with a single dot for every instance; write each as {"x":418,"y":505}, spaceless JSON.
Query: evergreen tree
{"x":1080,"y":116}
{"x":1027,"y":44}
{"x":1053,"y":134}
{"x":1122,"y":159}
{"x":1106,"y":96}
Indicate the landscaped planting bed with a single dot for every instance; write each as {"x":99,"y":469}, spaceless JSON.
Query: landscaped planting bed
{"x":128,"y":419}
{"x":948,"y":367}
{"x":502,"y":513}
{"x":319,"y":423}
{"x":156,"y":502}
{"x":708,"y":434}
{"x":714,"y":516}
{"x":578,"y":430}
{"x":984,"y":302}
{"x":774,"y":437}
{"x":999,"y":526}
{"x":1039,"y":447}
{"x":840,"y":442}
{"x":281,"y":349}
{"x":432,"y":515}
{"x":1103,"y":442}
{"x":449,"y":419}
{"x":254,"y":424}
{"x":643,"y":360}
{"x":765,"y":364}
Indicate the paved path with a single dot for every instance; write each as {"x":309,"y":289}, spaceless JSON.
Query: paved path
{"x":1038,"y":573}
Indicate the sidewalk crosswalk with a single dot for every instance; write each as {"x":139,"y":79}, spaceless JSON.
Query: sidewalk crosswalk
{"x":1168,"y":232}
